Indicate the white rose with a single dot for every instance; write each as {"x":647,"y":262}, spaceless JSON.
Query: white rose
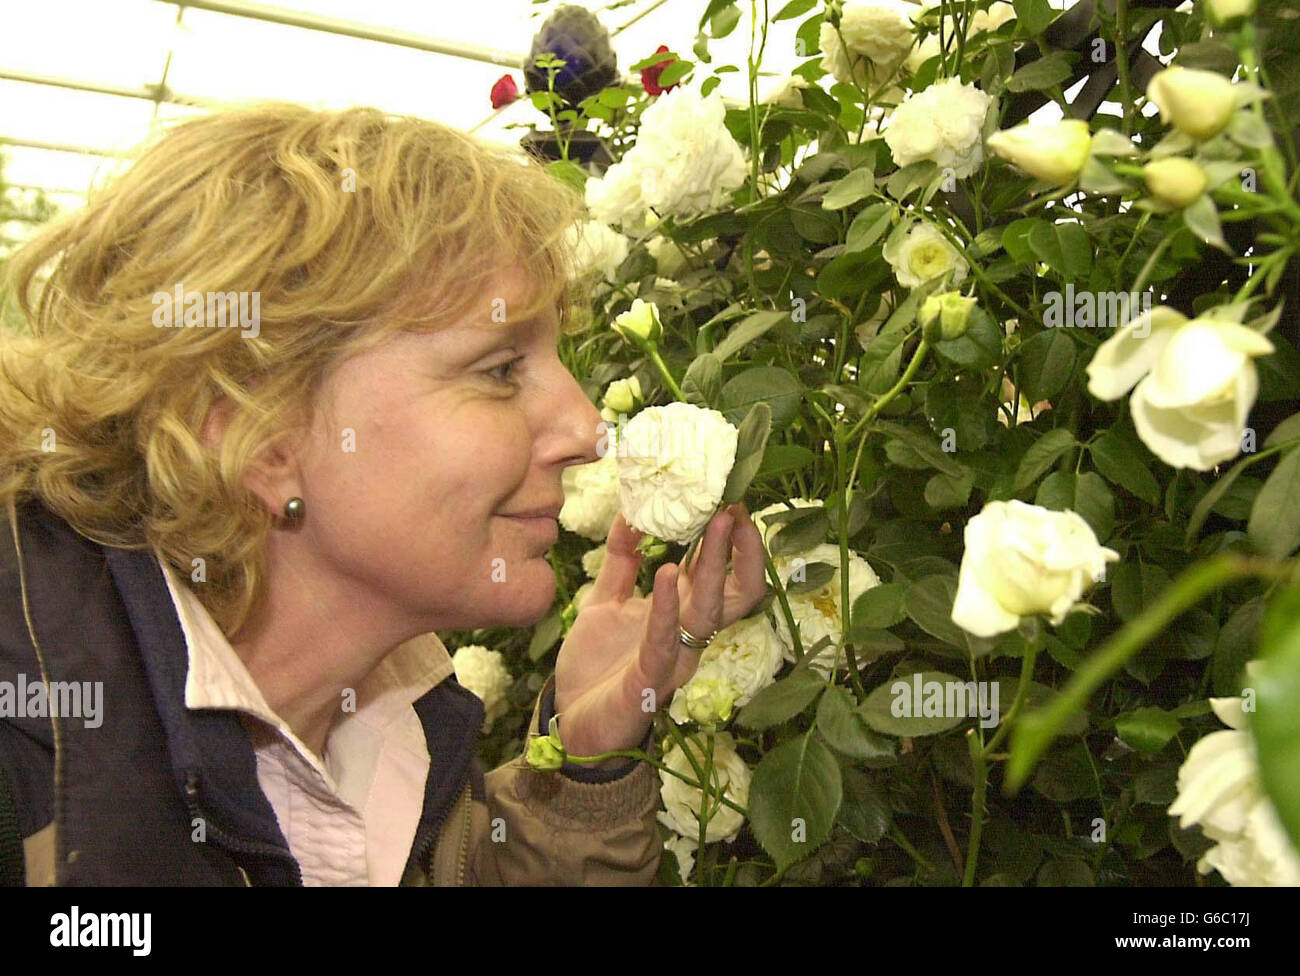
{"x":819,"y":613}
{"x":1021,"y":560}
{"x":591,"y":493}
{"x":1054,"y":153}
{"x":668,"y":256}
{"x":1174,"y":181}
{"x":1224,"y":12}
{"x":993,"y":18}
{"x":787,"y":94}
{"x":879,"y":30}
{"x":683,"y":848}
{"x":640,"y":323}
{"x":597,"y":249}
{"x":923,"y":52}
{"x":1196,"y":102}
{"x":943,"y":123}
{"x":1219,"y":788}
{"x":485,"y":674}
{"x":683,"y":802}
{"x":673,"y":465}
{"x":615,"y":198}
{"x":1197,"y":383}
{"x":684,"y":162}
{"x":924,"y":253}
{"x":592,"y":560}
{"x":744,"y":657}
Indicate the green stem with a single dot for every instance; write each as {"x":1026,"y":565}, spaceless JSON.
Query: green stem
{"x":663,"y":371}
{"x":874,"y":410}
{"x":1121,"y":64}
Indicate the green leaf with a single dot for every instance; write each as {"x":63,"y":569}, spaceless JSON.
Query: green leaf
{"x":1287,"y":430}
{"x":1015,"y":239}
{"x":929,"y":603}
{"x":1147,"y":729}
{"x":846,"y":276}
{"x":1235,"y":646}
{"x":545,"y":634}
{"x":724,"y":22}
{"x":868,"y":227}
{"x":849,"y":189}
{"x":1085,"y":494}
{"x":1276,"y":723}
{"x":750,"y":444}
{"x":1211,"y":498}
{"x":1065,"y":247}
{"x":1274,"y":526}
{"x":746,"y":331}
{"x":925,"y":447}
{"x":1047,"y":362}
{"x":1042,"y":454}
{"x":702,"y":383}
{"x":782,"y":701}
{"x":815,"y":576}
{"x":1118,"y":464}
{"x":568,"y":172}
{"x":945,"y":491}
{"x":781,"y":459}
{"x":777,"y":387}
{"x":1065,"y":872}
{"x":1043,"y":73}
{"x":1202,"y":219}
{"x":1033,"y":16}
{"x":1134,"y":587}
{"x":845,"y":730}
{"x":793,"y":799}
{"x":880,"y":607}
{"x":881,"y":363}
{"x":865,"y":812}
{"x":887,"y":708}
{"x":803,"y":529}
{"x":795,"y":8}
{"x":1249,"y":130}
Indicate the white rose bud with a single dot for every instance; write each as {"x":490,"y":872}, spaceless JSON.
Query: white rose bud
{"x":945,"y":316}
{"x":1054,"y":153}
{"x":709,"y":701}
{"x":1174,"y":180}
{"x":1021,"y":560}
{"x":640,"y":323}
{"x":623,"y":396}
{"x":1199,"y":103}
{"x":1224,"y":12}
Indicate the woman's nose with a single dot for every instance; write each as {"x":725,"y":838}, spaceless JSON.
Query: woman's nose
{"x":577,"y":422}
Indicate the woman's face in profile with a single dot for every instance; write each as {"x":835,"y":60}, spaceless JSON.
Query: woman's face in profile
{"x":424,"y":452}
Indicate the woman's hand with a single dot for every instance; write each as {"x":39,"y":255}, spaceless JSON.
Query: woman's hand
{"x":623,"y":657}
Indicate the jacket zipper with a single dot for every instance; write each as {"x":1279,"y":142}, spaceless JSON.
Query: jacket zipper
{"x":228,"y":840}
{"x":463,"y":859}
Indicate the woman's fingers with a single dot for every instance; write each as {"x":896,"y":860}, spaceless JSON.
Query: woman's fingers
{"x":660,"y":644}
{"x":617,"y":576}
{"x":707,"y":579}
{"x":748,"y":583}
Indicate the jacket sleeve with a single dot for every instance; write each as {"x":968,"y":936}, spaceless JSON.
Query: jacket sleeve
{"x":557,"y":829}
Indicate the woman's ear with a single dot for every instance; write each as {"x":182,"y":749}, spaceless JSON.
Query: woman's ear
{"x":273,"y":475}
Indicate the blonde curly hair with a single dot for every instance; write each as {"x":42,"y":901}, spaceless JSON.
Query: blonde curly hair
{"x":348,"y":225}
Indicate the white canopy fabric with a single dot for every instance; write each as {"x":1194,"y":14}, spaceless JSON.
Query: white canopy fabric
{"x":69,"y":68}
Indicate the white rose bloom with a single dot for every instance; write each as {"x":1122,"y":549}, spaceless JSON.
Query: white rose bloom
{"x":597,"y":249}
{"x":485,"y":674}
{"x":787,"y":95}
{"x":673,"y":465}
{"x":682,"y":802}
{"x":1197,"y":383}
{"x":684,"y":163}
{"x":683,"y":848}
{"x":819,"y":613}
{"x":923,"y":52}
{"x":591,"y":493}
{"x":592,"y":560}
{"x":615,"y":198}
{"x":944,"y":124}
{"x":924,"y":253}
{"x":744,"y":656}
{"x":993,"y":18}
{"x":668,"y":256}
{"x":879,"y":30}
{"x":1219,"y":788}
{"x":1021,"y":560}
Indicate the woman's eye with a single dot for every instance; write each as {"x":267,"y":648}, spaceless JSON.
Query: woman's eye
{"x":504,"y":372}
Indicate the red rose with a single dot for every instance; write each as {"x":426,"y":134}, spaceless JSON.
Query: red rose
{"x":504,"y":91}
{"x":650,"y":76}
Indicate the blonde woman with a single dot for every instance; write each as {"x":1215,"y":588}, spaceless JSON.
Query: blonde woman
{"x":289,"y":401}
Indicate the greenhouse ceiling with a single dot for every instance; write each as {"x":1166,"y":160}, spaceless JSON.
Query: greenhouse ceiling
{"x":83,"y":81}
